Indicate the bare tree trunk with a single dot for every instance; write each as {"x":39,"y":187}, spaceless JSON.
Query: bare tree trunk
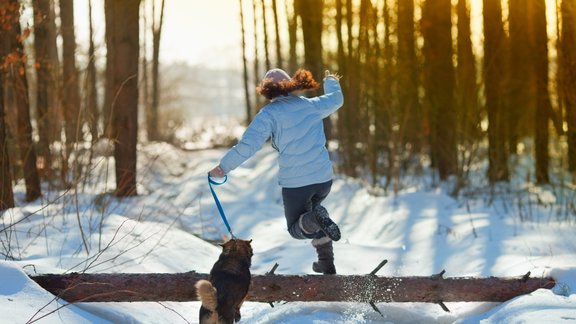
{"x":410,"y":113}
{"x":144,"y":68}
{"x":349,"y":27}
{"x":351,"y":84}
{"x":568,"y":75}
{"x":543,"y":105}
{"x":292,"y":40}
{"x":271,"y":288}
{"x":467,"y":89}
{"x":125,"y":84}
{"x":389,"y":141}
{"x":17,"y":78}
{"x":265,"y":32}
{"x":520,"y":95}
{"x":109,"y":91}
{"x":411,"y":118}
{"x":341,"y":56}
{"x":381,"y":76}
{"x":363,"y":103}
{"x":6,"y":193}
{"x":257,"y":73}
{"x":439,"y":84}
{"x":54,"y":80}
{"x":70,"y":89}
{"x":92,"y":112}
{"x":44,"y":70}
{"x":279,"y":61}
{"x":493,"y":85}
{"x":343,"y":114}
{"x":468,"y":129}
{"x":245,"y":67}
{"x":311,"y":15}
{"x":71,"y":96}
{"x":156,"y":34}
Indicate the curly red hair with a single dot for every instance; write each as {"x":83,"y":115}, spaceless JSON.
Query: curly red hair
{"x":301,"y":80}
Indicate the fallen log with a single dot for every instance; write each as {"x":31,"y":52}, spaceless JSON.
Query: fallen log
{"x":122,"y":287}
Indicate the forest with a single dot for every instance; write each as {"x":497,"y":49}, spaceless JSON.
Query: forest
{"x":454,"y":152}
{"x":421,"y":95}
{"x":420,"y":92}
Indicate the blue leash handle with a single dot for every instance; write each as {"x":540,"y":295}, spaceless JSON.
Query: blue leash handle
{"x":217,"y":201}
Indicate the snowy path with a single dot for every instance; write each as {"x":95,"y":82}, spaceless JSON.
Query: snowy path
{"x":420,"y":232}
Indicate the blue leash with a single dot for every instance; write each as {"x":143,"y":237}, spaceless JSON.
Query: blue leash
{"x":217,"y":201}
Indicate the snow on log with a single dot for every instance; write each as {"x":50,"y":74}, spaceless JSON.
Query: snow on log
{"x":124,"y":287}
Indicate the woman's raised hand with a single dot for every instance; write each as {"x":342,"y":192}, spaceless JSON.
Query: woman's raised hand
{"x":328,"y":74}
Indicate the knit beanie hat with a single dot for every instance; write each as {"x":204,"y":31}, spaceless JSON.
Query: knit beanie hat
{"x":276,"y":75}
{"x":277,"y":82}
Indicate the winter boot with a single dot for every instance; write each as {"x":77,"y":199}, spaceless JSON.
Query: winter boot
{"x":307,"y":222}
{"x":326,"y":224}
{"x":318,"y":220}
{"x":325,"y":263}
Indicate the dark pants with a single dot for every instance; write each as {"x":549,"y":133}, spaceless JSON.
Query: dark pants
{"x":298,"y":201}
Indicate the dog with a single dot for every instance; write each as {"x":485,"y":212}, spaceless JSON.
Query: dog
{"x":230,"y":279}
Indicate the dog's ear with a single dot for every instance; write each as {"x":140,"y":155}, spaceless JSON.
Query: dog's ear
{"x":226,"y":247}
{"x":250,"y":241}
{"x":223,"y":244}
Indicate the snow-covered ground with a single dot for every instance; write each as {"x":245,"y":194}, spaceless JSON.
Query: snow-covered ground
{"x":420,"y":231}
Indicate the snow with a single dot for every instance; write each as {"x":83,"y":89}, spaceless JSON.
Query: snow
{"x":420,"y":231}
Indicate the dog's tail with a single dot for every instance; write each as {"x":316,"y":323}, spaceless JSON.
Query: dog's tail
{"x":206,"y":294}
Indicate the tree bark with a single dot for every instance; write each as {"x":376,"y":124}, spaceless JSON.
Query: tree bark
{"x":310,"y":13}
{"x":91,"y":92}
{"x":378,"y":70}
{"x":494,"y":39}
{"x":245,"y":66}
{"x":71,"y":95}
{"x":257,"y":73}
{"x":54,"y":82}
{"x":343,"y":121}
{"x":271,"y":288}
{"x":439,"y":83}
{"x":6,"y":192}
{"x":292,"y":22}
{"x":521,"y":93}
{"x":311,"y":16}
{"x":568,"y":75}
{"x":152,"y":118}
{"x":109,"y":91}
{"x":388,"y":140}
{"x":468,"y":116}
{"x":543,"y":105}
{"x":16,"y":74}
{"x":125,"y":89}
{"x":467,"y":90}
{"x":70,"y":90}
{"x":265,"y":32}
{"x":279,"y":61}
{"x":348,"y":118}
{"x":410,"y":110}
{"x":44,"y":70}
